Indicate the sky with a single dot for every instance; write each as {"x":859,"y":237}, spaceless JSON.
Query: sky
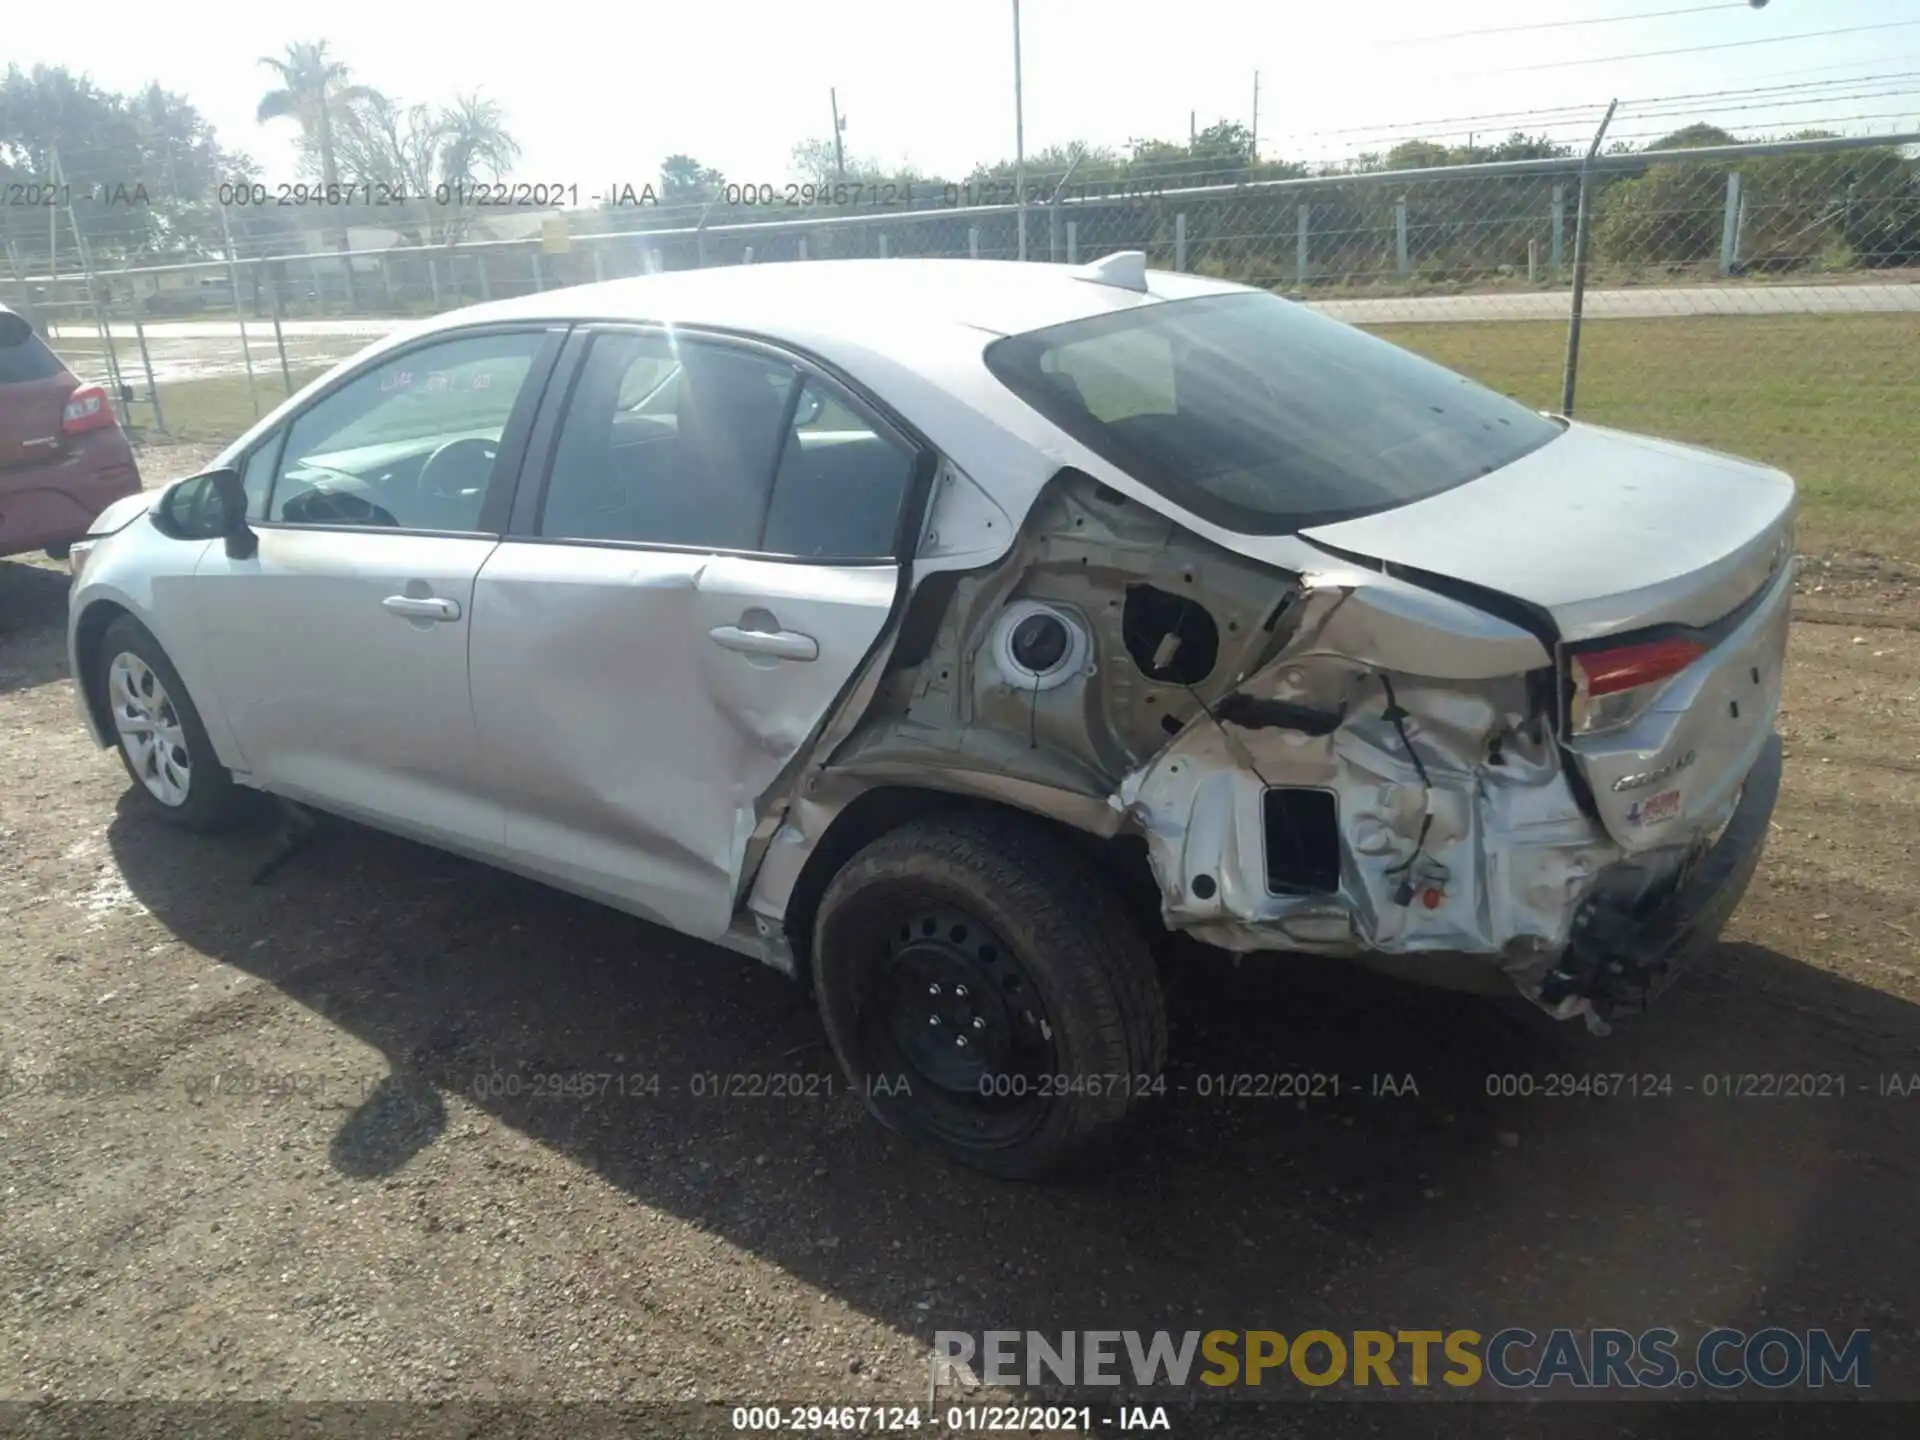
{"x":597,"y":96}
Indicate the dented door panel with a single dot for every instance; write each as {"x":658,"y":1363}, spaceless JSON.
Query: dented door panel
{"x":638,"y":707}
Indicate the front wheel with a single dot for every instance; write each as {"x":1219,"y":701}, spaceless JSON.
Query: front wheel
{"x":984,"y":988}
{"x":159,"y":734}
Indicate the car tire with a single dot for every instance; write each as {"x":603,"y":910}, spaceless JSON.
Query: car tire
{"x":1062,"y":1030}
{"x":177,"y":778}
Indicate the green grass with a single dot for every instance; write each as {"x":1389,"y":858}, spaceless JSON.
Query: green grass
{"x":215,"y":409}
{"x":1832,"y":399}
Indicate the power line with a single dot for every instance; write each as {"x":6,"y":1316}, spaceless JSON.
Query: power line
{"x":1563,"y":24}
{"x":1743,"y":91}
{"x":1803,"y":122}
{"x":1653,"y":112}
{"x":1585,"y":112}
{"x":1819,"y":96}
{"x":1695,"y":49}
{"x":1839,"y":65}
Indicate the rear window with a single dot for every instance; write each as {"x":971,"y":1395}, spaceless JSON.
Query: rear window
{"x":26,"y":359}
{"x":1263,"y":416}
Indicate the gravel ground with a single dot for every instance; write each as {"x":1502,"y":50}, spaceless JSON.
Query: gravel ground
{"x":277,"y":1142}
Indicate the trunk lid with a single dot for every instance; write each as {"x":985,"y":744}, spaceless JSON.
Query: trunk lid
{"x":1615,"y":536}
{"x":1602,"y":531}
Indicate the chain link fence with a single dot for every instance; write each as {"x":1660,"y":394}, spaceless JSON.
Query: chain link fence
{"x":1760,"y":298}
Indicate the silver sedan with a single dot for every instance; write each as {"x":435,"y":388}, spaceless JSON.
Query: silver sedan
{"x":907,"y":624}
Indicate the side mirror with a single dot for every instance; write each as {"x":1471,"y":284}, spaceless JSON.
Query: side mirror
{"x":229,"y":503}
{"x":208,"y":506}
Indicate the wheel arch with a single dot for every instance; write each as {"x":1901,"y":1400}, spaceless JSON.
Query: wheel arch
{"x":99,"y":612}
{"x":88,"y":631}
{"x":883,"y":808}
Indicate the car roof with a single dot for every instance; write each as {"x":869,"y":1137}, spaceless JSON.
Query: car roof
{"x":912,"y":332}
{"x":866,"y":303}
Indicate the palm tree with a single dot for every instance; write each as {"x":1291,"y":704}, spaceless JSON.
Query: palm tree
{"x":475,"y":139}
{"x":312,"y":84}
{"x":474,"y":145}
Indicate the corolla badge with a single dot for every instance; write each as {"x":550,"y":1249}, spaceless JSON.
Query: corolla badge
{"x":1654,"y":776}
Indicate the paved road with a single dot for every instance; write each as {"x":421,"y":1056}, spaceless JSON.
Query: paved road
{"x":188,"y":349}
{"x":1640,"y":304}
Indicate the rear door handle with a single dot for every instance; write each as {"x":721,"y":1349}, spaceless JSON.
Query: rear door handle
{"x":422,"y":607}
{"x":781,"y":644}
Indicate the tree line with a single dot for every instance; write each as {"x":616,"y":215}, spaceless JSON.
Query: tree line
{"x":146,"y":181}
{"x":141,"y":178}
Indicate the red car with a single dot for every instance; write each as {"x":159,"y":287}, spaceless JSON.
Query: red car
{"x":63,"y":458}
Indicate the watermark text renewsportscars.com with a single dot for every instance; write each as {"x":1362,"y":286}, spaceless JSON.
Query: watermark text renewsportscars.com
{"x":1511,"y":1358}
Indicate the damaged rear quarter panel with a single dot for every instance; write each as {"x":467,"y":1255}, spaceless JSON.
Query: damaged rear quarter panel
{"x":1458,"y":831}
{"x":1210,"y":676}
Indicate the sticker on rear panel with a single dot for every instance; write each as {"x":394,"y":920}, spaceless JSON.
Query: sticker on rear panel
{"x":1655,"y":809}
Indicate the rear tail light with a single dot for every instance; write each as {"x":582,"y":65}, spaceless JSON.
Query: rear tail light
{"x":1612,"y":687}
{"x":87,"y":409}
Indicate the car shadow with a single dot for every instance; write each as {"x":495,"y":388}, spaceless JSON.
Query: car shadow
{"x":33,"y":624}
{"x":1436,"y":1174}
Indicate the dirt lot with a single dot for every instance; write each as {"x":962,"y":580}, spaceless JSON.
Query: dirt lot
{"x":261,"y":1141}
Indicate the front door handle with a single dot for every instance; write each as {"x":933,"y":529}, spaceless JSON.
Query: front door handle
{"x":781,"y":644}
{"x":422,"y":607}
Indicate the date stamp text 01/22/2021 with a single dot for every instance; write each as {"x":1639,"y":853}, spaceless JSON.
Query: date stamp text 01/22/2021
{"x":1300,"y":1087}
{"x":623,"y":195}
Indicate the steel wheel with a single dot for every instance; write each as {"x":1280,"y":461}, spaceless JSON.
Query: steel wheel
{"x":151,"y":735}
{"x":984,"y":987}
{"x":960,"y":1007}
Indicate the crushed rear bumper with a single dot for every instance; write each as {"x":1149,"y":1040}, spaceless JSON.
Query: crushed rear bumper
{"x":1618,"y":959}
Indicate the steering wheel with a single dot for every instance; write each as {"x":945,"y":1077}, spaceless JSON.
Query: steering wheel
{"x":458,"y":465}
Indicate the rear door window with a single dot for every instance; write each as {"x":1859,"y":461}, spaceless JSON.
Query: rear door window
{"x":841,"y":480}
{"x":669,"y":441}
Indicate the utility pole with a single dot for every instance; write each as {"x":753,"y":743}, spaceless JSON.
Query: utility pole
{"x":839,"y":155}
{"x":1019,"y":138}
{"x":1193,"y":128}
{"x":1253,"y":143}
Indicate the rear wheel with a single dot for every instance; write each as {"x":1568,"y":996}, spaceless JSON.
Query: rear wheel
{"x":985,"y":990}
{"x":159,"y":734}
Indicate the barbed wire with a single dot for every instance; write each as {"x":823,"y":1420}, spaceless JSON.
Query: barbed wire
{"x":1642,"y":15}
{"x":1585,"y":115}
{"x":1715,"y":46}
